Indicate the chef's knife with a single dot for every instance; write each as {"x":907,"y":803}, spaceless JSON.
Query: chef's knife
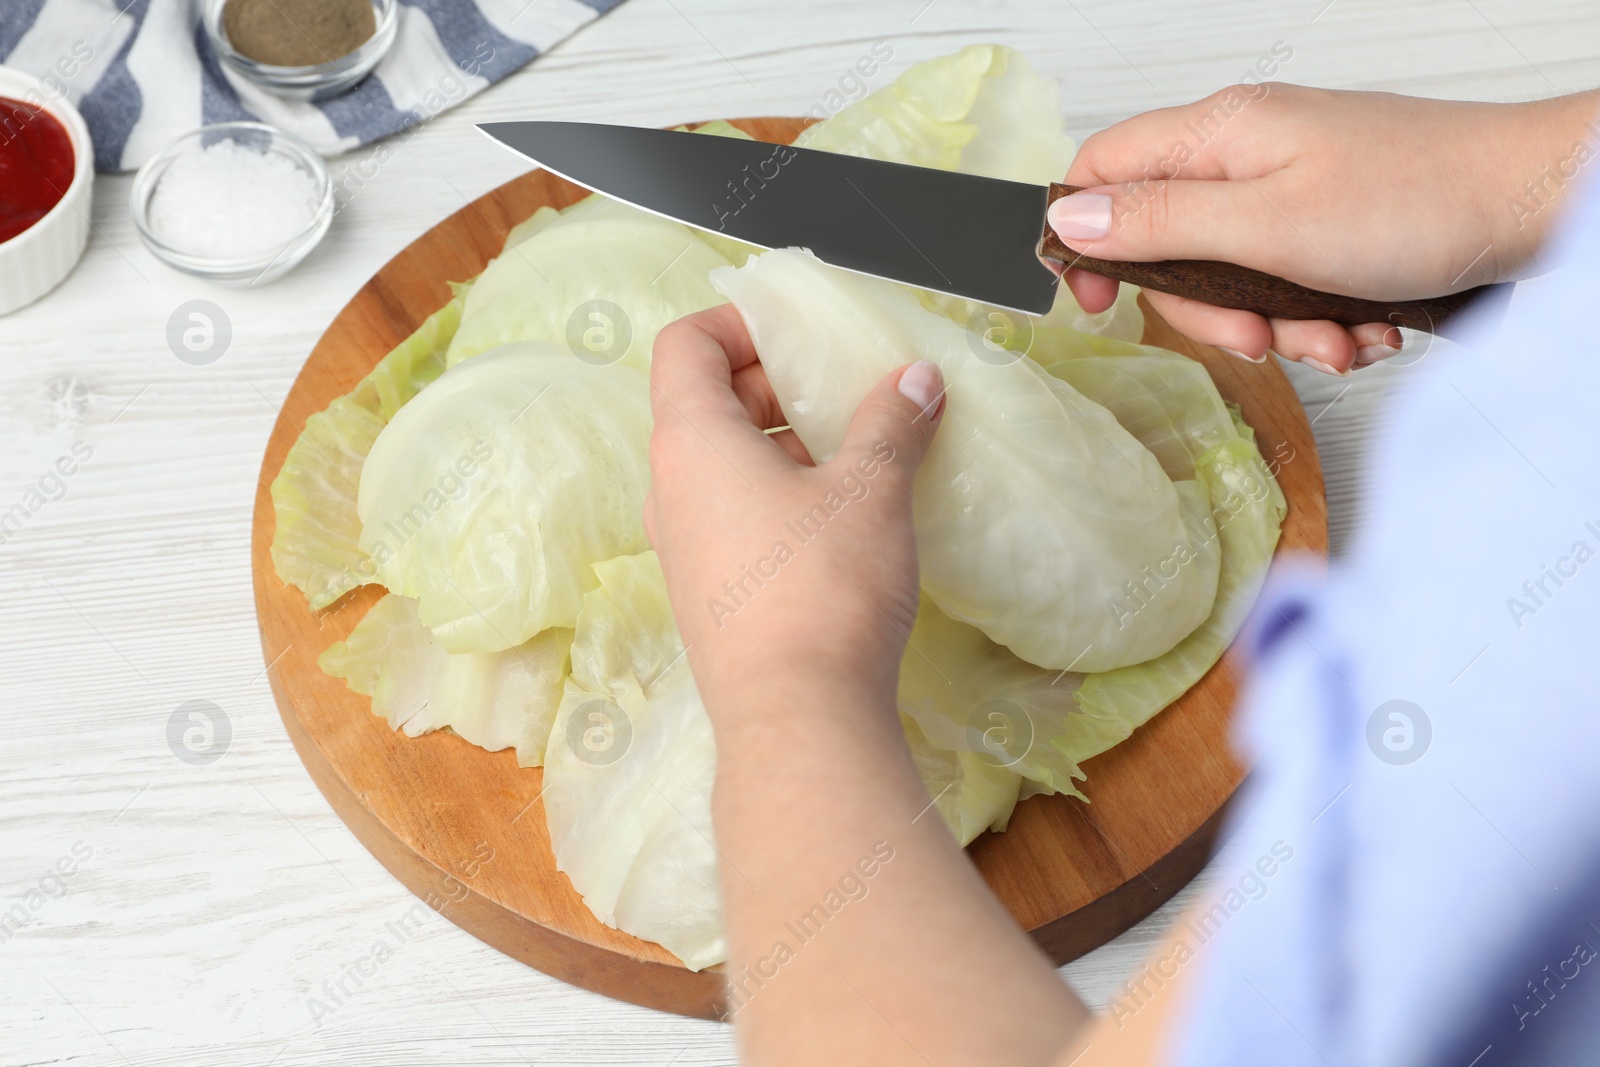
{"x":974,"y":237}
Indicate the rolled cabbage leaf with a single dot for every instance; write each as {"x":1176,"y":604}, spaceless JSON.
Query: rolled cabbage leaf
{"x":1165,"y":399}
{"x":1037,"y":515}
{"x":630,"y":767}
{"x":972,"y":696}
{"x":599,"y":277}
{"x":1248,"y":507}
{"x":1169,"y":401}
{"x":495,"y":700}
{"x":489,"y":496}
{"x":315,"y":543}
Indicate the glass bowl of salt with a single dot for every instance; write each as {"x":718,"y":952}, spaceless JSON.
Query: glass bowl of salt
{"x":238,"y":203}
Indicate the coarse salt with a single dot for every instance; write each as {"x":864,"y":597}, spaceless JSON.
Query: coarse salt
{"x":229,"y":201}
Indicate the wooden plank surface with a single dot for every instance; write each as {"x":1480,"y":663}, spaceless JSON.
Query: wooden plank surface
{"x":429,"y":808}
{"x":219,"y":899}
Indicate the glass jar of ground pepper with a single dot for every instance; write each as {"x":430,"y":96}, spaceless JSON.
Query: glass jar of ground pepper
{"x":302,"y":49}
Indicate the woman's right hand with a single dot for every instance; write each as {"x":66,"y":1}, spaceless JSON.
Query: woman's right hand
{"x":1366,"y":194}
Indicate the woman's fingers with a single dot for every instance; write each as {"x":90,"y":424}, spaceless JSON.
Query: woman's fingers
{"x":750,"y":385}
{"x":1095,"y":292}
{"x":705,"y":377}
{"x":1322,"y":345}
{"x":707,"y":384}
{"x":1325,"y":346}
{"x":1145,"y":221}
{"x":1245,"y":333}
{"x":1375,"y":341}
{"x":693,"y":363}
{"x":789,"y":441}
{"x":712,"y":348}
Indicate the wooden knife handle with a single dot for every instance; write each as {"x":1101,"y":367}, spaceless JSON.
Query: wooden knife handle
{"x":1231,"y":286}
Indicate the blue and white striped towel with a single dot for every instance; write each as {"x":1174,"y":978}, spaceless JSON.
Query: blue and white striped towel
{"x":142,"y":71}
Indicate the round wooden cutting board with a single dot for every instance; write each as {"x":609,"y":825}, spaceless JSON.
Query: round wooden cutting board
{"x":464,"y":828}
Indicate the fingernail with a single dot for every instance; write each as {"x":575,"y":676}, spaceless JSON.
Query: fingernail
{"x":1323,"y":367}
{"x":923,"y":385}
{"x":1081,"y":216}
{"x":1373,"y":353}
{"x":1262,"y":358}
{"x":1393,"y":337}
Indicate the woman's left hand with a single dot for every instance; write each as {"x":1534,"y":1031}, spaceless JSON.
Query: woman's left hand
{"x":773,"y":561}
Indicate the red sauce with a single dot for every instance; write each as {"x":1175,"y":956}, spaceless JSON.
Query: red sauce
{"x":36,"y":164}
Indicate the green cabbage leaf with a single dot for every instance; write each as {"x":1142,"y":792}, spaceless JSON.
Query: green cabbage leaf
{"x":971,"y":792}
{"x":972,"y":696}
{"x":315,"y":543}
{"x":630,"y":767}
{"x":599,"y":277}
{"x":968,"y":695}
{"x":1249,"y":508}
{"x":490,"y":495}
{"x":495,"y":700}
{"x":983,"y":111}
{"x":1171,"y":404}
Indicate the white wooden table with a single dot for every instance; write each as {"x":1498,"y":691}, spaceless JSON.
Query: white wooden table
{"x":208,"y":904}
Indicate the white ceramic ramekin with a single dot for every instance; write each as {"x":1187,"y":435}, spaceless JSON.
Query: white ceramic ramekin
{"x":36,"y":260}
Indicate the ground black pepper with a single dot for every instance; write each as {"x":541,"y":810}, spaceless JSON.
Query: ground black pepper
{"x":297,"y":33}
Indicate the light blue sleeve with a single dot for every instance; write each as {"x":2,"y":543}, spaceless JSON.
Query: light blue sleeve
{"x":1425,"y":731}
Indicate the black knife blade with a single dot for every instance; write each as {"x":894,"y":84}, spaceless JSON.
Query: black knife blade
{"x":962,"y":234}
